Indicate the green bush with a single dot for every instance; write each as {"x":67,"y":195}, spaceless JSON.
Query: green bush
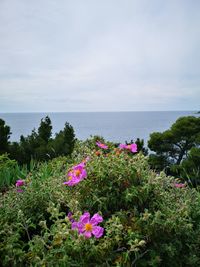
{"x":148,"y":221}
{"x":10,"y":172}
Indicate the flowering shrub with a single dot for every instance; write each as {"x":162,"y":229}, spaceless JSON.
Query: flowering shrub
{"x":76,"y":174}
{"x":120,"y":213}
{"x":101,"y":145}
{"x":131,"y":147}
{"x":87,"y":226}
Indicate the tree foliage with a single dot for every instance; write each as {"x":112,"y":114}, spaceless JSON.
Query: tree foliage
{"x":172,"y":146}
{"x":4,"y":136}
{"x":39,"y":145}
{"x":190,"y":167}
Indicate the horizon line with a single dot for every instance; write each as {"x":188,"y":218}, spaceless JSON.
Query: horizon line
{"x":114,"y":111}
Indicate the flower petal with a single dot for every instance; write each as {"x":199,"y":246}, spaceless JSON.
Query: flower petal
{"x":96,"y":218}
{"x":74,"y":225}
{"x":122,"y":146}
{"x":87,"y":234}
{"x":133,"y":148}
{"x":85,"y":218}
{"x":73,"y":181}
{"x":97,"y":231}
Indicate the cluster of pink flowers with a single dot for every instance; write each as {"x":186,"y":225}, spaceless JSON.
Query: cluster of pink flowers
{"x":18,"y":184}
{"x":77,"y":173}
{"x":131,"y":147}
{"x":179,"y":185}
{"x":85,"y":225}
{"x":89,"y":227}
{"x":101,"y":145}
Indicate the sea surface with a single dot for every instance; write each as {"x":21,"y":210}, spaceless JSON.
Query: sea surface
{"x":113,"y":126}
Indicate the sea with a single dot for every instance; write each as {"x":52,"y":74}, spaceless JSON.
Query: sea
{"x":113,"y":126}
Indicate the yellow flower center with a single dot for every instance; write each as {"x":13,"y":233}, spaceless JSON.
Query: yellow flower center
{"x":88,"y":227}
{"x":69,"y":178}
{"x":77,"y":172}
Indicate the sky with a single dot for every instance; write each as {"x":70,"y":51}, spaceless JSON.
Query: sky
{"x":105,"y":55}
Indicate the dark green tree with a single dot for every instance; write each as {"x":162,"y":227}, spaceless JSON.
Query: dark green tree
{"x":4,"y":137}
{"x":63,"y":144}
{"x":190,"y":167}
{"x":45,"y":129}
{"x":172,"y":146}
{"x":140,"y":145}
{"x":40,"y":146}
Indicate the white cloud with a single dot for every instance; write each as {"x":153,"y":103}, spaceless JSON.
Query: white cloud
{"x":108,"y":55}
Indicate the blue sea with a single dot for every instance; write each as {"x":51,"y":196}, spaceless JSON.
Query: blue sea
{"x":113,"y":126}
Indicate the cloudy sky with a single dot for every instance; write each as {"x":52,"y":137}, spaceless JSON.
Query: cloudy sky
{"x":103,"y":55}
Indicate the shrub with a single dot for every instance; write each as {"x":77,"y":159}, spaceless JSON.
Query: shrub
{"x":147,"y":220}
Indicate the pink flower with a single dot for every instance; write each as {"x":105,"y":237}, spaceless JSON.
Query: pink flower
{"x":131,"y":147}
{"x":88,"y":227}
{"x":70,"y":217}
{"x":181,"y":185}
{"x":19,"y":183}
{"x":77,"y":174}
{"x":101,"y":145}
{"x":122,"y":146}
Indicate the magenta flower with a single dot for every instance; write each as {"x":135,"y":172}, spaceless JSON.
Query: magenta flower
{"x":19,"y":183}
{"x":181,"y":185}
{"x":131,"y":147}
{"x":122,"y":146}
{"x":89,"y":227}
{"x":76,"y":174}
{"x":101,"y":145}
{"x":70,"y":217}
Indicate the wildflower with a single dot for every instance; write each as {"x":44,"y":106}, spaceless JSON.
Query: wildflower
{"x":19,"y":183}
{"x":131,"y":147}
{"x":88,"y":227}
{"x":122,"y":146}
{"x":79,"y":171}
{"x":181,"y":185}
{"x":70,"y":217}
{"x":76,"y":174}
{"x":101,"y":145}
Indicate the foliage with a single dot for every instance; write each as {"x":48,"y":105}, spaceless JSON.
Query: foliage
{"x":45,"y":129}
{"x":10,"y":172}
{"x":39,"y":145}
{"x":173,"y":145}
{"x":147,"y":220}
{"x":140,"y":145}
{"x":190,"y":167}
{"x":64,"y":141}
{"x":4,"y":136}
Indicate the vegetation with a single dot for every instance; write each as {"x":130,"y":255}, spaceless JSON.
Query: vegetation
{"x":4,"y":136}
{"x":147,"y":219}
{"x":99,"y":203}
{"x":39,"y":145}
{"x":175,"y":148}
